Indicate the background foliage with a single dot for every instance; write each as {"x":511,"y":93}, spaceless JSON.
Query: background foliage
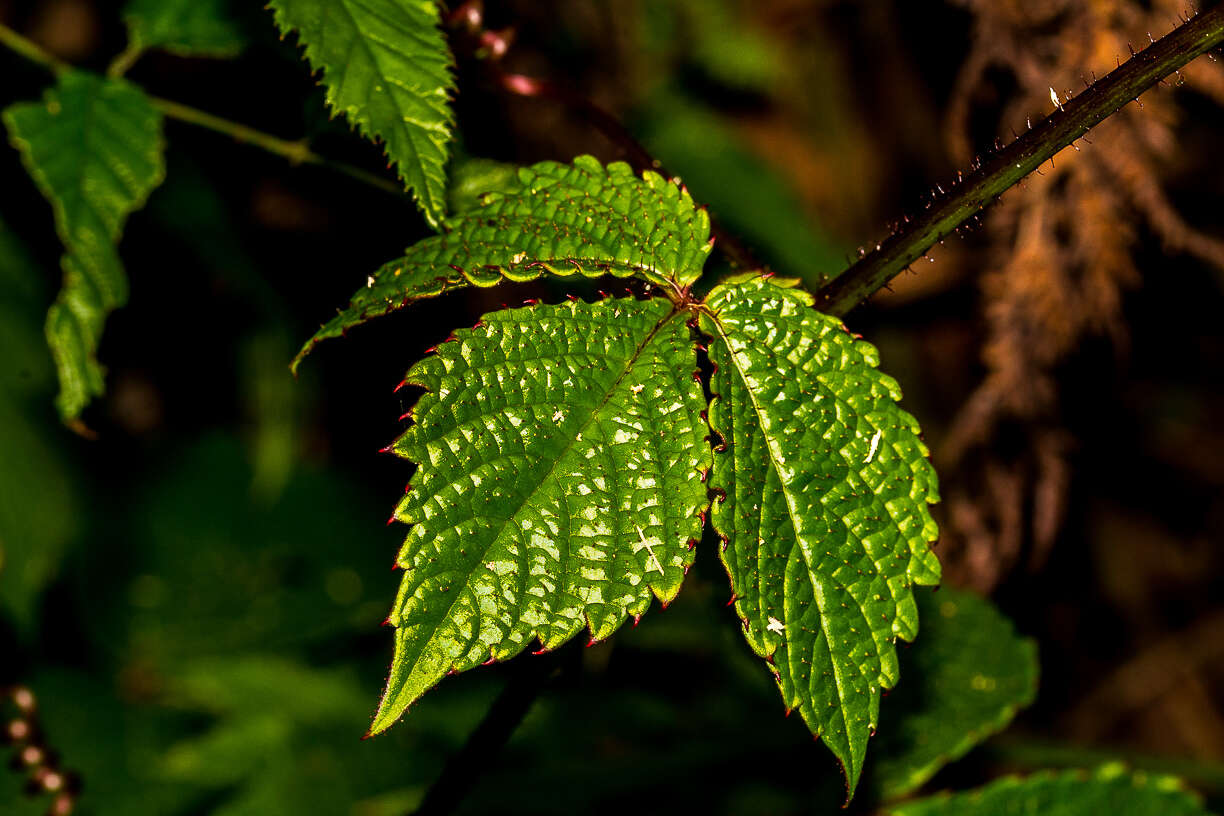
{"x":221,"y":540}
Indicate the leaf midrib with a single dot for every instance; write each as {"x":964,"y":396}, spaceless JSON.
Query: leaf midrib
{"x":791,"y":510}
{"x":629,"y":364}
{"x":434,"y":209}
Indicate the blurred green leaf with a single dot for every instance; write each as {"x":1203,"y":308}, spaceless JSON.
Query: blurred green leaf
{"x":212,"y":567}
{"x":965,"y":678}
{"x":94,"y":148}
{"x":750,"y":197}
{"x":1108,"y":791}
{"x":716,"y":38}
{"x":190,"y":28}
{"x":472,"y":178}
{"x":39,"y":511}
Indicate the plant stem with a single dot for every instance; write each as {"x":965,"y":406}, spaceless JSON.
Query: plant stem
{"x":1073,"y":118}
{"x":294,"y":151}
{"x":490,"y":736}
{"x":18,"y":44}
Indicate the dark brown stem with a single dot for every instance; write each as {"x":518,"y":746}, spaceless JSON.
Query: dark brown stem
{"x":1071,"y":120}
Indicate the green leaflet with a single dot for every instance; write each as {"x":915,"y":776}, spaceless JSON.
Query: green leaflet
{"x":205,"y":28}
{"x":559,"y":453}
{"x":1110,"y":790}
{"x":94,"y":148}
{"x":566,"y":219}
{"x":825,"y":518}
{"x":966,"y":677}
{"x":387,"y":67}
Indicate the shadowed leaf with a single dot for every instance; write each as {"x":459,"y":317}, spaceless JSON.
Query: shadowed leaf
{"x":965,"y":679}
{"x":1110,"y":790}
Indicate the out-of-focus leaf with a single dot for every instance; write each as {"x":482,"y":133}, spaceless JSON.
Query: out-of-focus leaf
{"x":471,"y":179}
{"x":283,"y":739}
{"x":211,"y":567}
{"x":38,"y":503}
{"x":1109,"y":791}
{"x":190,"y":28}
{"x":748,"y":195}
{"x":94,"y":148}
{"x":714,"y":37}
{"x":965,"y":679}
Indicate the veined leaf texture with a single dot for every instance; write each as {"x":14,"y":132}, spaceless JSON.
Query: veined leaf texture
{"x":564,"y":219}
{"x":565,"y":464}
{"x":387,"y":68}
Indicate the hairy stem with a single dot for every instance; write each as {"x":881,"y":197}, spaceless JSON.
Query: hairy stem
{"x":294,"y":151}
{"x":1072,"y":119}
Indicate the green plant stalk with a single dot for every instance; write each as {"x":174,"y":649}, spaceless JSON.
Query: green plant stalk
{"x":295,"y":152}
{"x":1073,"y":118}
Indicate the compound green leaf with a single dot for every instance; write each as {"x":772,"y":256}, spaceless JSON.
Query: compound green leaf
{"x":560,"y":452}
{"x":387,"y":67}
{"x":967,"y":676}
{"x":1110,"y":789}
{"x":564,"y":219}
{"x":205,"y":28}
{"x":94,"y":147}
{"x":823,"y":489}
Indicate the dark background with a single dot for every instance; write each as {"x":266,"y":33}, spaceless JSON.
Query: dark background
{"x":195,"y":596}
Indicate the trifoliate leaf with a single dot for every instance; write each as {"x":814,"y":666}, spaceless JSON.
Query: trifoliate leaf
{"x":94,"y":148}
{"x":1110,"y":789}
{"x":387,"y":68}
{"x":559,"y":485}
{"x":190,"y":28}
{"x":965,"y":679}
{"x":579,"y":219}
{"x":823,"y":490}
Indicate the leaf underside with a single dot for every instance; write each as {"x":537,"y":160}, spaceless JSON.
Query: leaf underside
{"x":94,"y":148}
{"x":1110,"y":789}
{"x":387,"y":67}
{"x":559,"y":452}
{"x":565,"y":219}
{"x":825,"y":520}
{"x":203,"y":28}
{"x":967,"y":677}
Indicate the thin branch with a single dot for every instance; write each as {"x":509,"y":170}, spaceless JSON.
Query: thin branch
{"x":1071,"y":120}
{"x":294,"y":151}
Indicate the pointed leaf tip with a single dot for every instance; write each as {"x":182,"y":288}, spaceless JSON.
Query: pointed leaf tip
{"x":591,"y":523}
{"x":824,"y":536}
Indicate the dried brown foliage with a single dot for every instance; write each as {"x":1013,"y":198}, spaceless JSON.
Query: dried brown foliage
{"x":1062,"y":256}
